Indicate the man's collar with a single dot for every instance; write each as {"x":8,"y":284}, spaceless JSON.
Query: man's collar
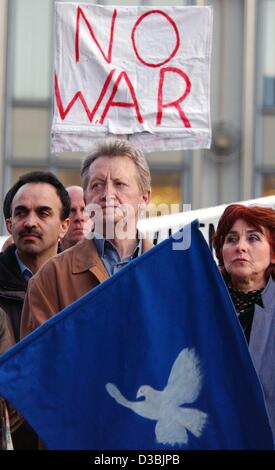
{"x":85,"y":255}
{"x":102,"y":244}
{"x":26,"y":272}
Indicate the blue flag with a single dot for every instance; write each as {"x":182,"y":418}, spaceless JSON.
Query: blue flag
{"x":153,"y":358}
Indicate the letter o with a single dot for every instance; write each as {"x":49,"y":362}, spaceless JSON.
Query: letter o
{"x":172,"y":22}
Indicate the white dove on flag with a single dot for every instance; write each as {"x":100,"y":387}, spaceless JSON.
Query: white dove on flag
{"x":165,"y":407}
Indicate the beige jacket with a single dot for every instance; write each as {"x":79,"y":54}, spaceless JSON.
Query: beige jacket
{"x":61,"y":281}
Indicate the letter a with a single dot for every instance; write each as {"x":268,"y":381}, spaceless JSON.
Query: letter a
{"x":122,"y":104}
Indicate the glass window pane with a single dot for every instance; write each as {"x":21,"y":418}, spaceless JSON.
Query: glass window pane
{"x":268,"y":185}
{"x":30,"y":133}
{"x":19,"y":171}
{"x":269,"y":91}
{"x":69,"y":177}
{"x":166,"y":188}
{"x":32,"y":49}
{"x":70,"y":157}
{"x":269,"y":21}
{"x":268,"y":52}
{"x":173,"y":157}
{"x":269,"y":139}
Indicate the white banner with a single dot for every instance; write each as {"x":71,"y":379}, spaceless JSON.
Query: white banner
{"x":142,"y":73}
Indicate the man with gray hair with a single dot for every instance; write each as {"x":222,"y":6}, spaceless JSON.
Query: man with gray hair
{"x":117,"y":183}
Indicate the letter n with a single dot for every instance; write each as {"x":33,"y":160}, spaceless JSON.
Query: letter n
{"x":108,"y":57}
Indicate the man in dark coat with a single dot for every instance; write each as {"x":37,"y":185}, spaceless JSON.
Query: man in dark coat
{"x":13,"y":287}
{"x":36,"y":210}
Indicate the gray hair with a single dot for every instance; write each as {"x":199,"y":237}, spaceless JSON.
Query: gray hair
{"x":118,"y":148}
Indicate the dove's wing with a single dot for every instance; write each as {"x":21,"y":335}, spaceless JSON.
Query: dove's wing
{"x":116,"y":394}
{"x":146,"y":408}
{"x":184,"y":383}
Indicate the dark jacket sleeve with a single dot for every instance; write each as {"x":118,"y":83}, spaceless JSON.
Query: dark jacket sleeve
{"x":41,"y":300}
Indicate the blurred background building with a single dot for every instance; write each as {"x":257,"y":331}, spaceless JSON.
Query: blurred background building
{"x":241,"y":163}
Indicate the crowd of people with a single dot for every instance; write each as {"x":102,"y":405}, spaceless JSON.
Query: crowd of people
{"x":51,"y":258}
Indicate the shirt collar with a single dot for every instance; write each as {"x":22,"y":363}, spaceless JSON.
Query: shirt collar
{"x":102,"y":243}
{"x":23,"y":268}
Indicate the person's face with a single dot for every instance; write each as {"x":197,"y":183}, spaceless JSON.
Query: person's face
{"x":246,"y":254}
{"x":113,"y":184}
{"x":78,"y":216}
{"x":35,"y":223}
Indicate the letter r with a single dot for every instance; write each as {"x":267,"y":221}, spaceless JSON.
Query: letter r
{"x":176,"y":103}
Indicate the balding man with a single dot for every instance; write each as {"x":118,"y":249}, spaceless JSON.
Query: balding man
{"x":80,"y":222}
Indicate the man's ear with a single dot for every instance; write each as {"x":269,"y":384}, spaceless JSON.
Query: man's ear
{"x":64,"y":228}
{"x":8,"y":223}
{"x":146,"y":197}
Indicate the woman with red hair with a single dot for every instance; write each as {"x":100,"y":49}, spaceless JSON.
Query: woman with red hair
{"x":245,"y":248}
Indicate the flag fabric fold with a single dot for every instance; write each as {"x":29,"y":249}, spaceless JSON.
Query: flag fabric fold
{"x":153,"y":358}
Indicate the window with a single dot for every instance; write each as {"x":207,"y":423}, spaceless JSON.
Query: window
{"x":268,"y":185}
{"x":268,"y":53}
{"x":166,"y":188}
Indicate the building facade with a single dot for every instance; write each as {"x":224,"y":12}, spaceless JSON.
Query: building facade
{"x":241,"y":163}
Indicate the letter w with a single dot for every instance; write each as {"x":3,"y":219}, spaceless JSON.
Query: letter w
{"x":80,"y":13}
{"x":63,"y":112}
